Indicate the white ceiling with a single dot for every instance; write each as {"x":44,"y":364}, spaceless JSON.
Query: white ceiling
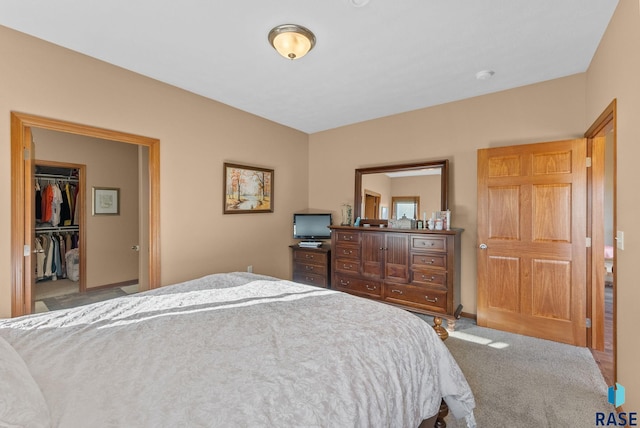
{"x":386,"y":57}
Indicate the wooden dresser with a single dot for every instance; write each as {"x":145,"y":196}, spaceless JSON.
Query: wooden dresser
{"x":418,"y":270}
{"x":311,"y":265}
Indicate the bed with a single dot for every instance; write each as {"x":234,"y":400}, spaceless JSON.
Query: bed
{"x":228,"y":350}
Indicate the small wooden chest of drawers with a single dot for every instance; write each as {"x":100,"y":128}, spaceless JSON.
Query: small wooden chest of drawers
{"x":311,"y":265}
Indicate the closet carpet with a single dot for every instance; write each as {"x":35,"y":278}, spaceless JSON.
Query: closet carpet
{"x":63,"y":294}
{"x":77,"y":299}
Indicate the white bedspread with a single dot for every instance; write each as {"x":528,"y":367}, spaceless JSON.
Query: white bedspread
{"x":238,"y":350}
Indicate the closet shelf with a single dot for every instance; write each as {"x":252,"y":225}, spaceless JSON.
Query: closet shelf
{"x":57,"y":177}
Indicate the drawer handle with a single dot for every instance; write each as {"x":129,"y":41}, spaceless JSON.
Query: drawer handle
{"x":309,"y":256}
{"x":345,"y":283}
{"x":371,"y":288}
{"x":430,"y":243}
{"x":312,"y":279}
{"x":346,"y":266}
{"x":347,"y":252}
{"x":308,"y":267}
{"x":396,"y":291}
{"x":347,"y":238}
{"x":428,"y":262}
{"x":424,"y":277}
{"x":434,"y":300}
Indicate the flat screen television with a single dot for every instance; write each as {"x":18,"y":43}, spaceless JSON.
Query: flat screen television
{"x":311,"y":227}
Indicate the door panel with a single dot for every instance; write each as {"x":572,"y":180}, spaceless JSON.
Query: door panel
{"x":531,"y":217}
{"x":505,"y":203}
{"x":502,"y":291}
{"x":551,"y":296}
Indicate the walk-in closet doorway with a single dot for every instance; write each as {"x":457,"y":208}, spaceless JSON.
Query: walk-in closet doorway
{"x":59,"y":256}
{"x":24,"y":158}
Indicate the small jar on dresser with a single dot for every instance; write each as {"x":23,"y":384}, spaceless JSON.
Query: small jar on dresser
{"x":312,"y":265}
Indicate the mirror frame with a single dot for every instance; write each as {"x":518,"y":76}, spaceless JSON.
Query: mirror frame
{"x":444,"y":182}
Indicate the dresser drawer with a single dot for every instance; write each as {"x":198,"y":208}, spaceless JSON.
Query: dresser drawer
{"x":431,"y":243}
{"x":419,"y":297}
{"x":358,"y":286}
{"x":427,"y":260}
{"x":347,"y":265}
{"x":305,"y":267}
{"x":311,"y":257}
{"x":431,"y":278}
{"x":310,"y":279}
{"x":344,"y":251}
{"x":344,"y":236}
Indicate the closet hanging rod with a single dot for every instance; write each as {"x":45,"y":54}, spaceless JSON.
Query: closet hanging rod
{"x":74,"y":228}
{"x":56,"y":177}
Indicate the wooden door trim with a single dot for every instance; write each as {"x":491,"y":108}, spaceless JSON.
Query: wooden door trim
{"x":607,"y":118}
{"x":17,"y":215}
{"x":20,"y":123}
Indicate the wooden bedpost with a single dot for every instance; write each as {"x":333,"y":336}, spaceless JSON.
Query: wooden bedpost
{"x":444,"y":409}
{"x":442,"y":332}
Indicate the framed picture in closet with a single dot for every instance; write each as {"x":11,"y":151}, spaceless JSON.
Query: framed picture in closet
{"x":247,"y":189}
{"x":105,"y":201}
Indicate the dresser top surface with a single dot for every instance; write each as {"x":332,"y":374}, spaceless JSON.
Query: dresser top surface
{"x":452,"y":231}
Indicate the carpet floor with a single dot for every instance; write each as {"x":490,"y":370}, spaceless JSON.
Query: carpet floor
{"x":522,"y":382}
{"x":77,"y":299}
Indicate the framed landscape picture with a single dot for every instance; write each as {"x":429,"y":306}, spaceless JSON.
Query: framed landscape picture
{"x":247,"y":189}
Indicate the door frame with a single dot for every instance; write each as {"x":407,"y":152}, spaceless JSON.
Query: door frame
{"x":21,"y":124}
{"x":596,"y":302}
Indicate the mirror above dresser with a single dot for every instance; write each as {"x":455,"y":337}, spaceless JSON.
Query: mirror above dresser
{"x":389,"y":191}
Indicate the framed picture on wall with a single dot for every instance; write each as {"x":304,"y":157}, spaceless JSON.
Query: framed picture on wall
{"x":106,"y":201}
{"x":247,"y":189}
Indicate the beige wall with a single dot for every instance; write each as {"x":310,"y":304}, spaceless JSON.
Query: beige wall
{"x":196,"y":136}
{"x":615,"y":73}
{"x":544,"y":112}
{"x":110,"y":259}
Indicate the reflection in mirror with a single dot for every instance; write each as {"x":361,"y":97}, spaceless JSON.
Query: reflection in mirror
{"x":391,"y":191}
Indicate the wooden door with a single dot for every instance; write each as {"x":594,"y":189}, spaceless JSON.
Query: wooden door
{"x":371,"y":205}
{"x":532,"y":240}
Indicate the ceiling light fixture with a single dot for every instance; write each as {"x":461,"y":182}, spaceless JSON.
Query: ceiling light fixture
{"x":485,"y":74}
{"x":292,"y":41}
